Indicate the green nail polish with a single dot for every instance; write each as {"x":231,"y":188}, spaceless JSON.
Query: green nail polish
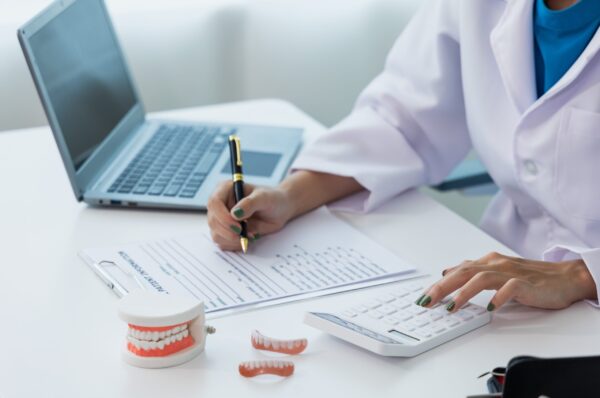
{"x":426,"y":300}
{"x":235,"y":229}
{"x":491,"y":307}
{"x":257,"y":236}
{"x":239,"y":213}
{"x":450,"y":306}
{"x":419,"y":299}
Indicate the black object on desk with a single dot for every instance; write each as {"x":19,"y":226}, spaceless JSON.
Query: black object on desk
{"x":533,"y":377}
{"x":235,"y":151}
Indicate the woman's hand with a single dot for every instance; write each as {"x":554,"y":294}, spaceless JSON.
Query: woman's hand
{"x":266,"y":209}
{"x":534,"y":283}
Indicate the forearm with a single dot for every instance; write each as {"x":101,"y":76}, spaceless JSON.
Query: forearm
{"x":307,"y":190}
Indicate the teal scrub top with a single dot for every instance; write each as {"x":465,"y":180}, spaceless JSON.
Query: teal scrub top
{"x":560,"y":38}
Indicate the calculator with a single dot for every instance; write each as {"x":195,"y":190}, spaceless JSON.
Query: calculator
{"x":391,"y":324}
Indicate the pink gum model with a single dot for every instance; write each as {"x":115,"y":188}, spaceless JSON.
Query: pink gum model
{"x":291,"y":347}
{"x":255,"y":368}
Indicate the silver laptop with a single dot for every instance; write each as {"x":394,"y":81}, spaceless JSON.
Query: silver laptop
{"x":113,"y":154}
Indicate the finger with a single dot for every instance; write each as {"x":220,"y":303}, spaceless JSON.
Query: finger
{"x":510,"y":290}
{"x":449,"y":270}
{"x":219,"y":214}
{"x":252,"y":203}
{"x":449,"y":283}
{"x":230,"y":232}
{"x":225,"y":244}
{"x":486,"y":280}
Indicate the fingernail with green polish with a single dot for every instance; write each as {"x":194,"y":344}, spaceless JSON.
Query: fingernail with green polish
{"x":235,"y":229}
{"x":419,"y":299}
{"x":450,"y":306}
{"x":238,"y":212}
{"x":426,"y":300}
{"x":491,"y":307}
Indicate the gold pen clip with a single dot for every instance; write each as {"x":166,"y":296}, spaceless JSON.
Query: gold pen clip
{"x":238,"y":148}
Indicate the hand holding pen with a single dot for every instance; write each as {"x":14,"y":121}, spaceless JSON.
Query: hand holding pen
{"x":259,"y":210}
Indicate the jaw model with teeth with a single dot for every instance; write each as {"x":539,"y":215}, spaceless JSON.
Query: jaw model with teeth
{"x":164,"y":330}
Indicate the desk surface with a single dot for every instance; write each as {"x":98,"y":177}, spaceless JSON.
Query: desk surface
{"x":61,"y":336}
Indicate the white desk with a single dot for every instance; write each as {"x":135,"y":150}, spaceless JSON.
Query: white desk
{"x":61,"y":337}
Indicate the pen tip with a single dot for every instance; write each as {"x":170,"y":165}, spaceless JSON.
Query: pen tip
{"x":244,"y":242}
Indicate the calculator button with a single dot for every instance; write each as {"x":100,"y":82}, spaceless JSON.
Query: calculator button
{"x":437,"y":329}
{"x":420,"y":321}
{"x":405,"y":316}
{"x":475,"y":309}
{"x":375,"y":314}
{"x":360,"y":309}
{"x":349,"y":313}
{"x":388,"y":298}
{"x":434,"y":316}
{"x":422,"y":333}
{"x":402,"y":304}
{"x":387,"y":309}
{"x":391,"y":320}
{"x":414,"y":287}
{"x":373,"y":304}
{"x":451,"y":322}
{"x":465,"y":316}
{"x":417,"y":310}
{"x":401,"y":293}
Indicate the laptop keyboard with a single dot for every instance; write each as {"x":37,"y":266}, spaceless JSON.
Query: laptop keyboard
{"x":175,"y":162}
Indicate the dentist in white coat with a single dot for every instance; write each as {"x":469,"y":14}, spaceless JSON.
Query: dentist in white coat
{"x":516,"y":80}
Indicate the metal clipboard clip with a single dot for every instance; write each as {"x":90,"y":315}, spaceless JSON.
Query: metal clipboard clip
{"x":114,"y":276}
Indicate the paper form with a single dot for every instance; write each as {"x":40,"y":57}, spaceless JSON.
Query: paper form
{"x":314,"y":253}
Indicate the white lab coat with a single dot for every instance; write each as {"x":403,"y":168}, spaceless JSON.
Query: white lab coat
{"x":462,"y":76}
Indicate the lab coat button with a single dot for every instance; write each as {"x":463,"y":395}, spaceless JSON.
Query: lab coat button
{"x":531,"y":167}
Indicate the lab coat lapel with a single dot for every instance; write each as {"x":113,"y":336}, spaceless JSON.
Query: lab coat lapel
{"x":512,"y":45}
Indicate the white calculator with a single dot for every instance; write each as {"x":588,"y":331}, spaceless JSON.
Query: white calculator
{"x":393,"y":325}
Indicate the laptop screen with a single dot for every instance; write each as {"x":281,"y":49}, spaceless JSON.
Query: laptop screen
{"x":84,"y":75}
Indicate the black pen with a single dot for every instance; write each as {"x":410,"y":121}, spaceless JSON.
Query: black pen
{"x":235,"y":151}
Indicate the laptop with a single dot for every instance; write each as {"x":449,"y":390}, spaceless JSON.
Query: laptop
{"x":115,"y":155}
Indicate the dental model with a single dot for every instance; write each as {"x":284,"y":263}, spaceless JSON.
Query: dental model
{"x":290,"y":347}
{"x":164,"y":330}
{"x":255,"y":368}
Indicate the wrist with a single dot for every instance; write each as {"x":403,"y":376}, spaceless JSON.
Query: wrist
{"x":290,"y":208}
{"x":584,"y":282}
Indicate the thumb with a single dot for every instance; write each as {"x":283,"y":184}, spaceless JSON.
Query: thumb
{"x":246,"y":207}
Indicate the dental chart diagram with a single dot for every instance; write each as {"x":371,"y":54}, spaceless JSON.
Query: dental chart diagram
{"x":314,"y":255}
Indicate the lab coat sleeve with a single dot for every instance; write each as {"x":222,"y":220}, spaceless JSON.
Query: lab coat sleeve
{"x":591,"y":258}
{"x":408,"y":127}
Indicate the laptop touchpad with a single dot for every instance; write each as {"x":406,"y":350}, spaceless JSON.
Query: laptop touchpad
{"x":259,"y":164}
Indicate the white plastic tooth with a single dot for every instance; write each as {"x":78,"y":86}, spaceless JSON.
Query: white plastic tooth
{"x":290,"y":345}
{"x":145,"y":345}
{"x":161,"y":335}
{"x":155,"y":336}
{"x":176,"y":329}
{"x":186,"y":333}
{"x":168,"y":332}
{"x":184,"y":326}
{"x":275,"y":344}
{"x":179,"y":336}
{"x":153,"y":345}
{"x":161,"y":344}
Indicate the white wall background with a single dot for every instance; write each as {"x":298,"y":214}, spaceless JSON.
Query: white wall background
{"x":318,"y":54}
